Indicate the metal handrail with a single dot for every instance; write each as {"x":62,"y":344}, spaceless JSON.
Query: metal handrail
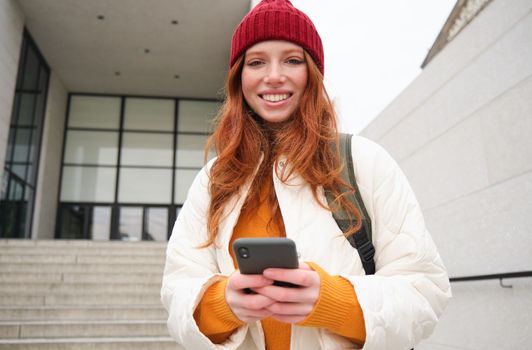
{"x":495,"y":276}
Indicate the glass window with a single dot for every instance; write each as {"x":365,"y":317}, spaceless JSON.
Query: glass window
{"x":147,"y":149}
{"x":26,"y":109}
{"x":91,"y":147}
{"x":31,"y":174}
{"x":145,"y":186}
{"x":15,"y":110}
{"x":43,"y":78}
{"x":72,"y":221}
{"x":130,"y":223}
{"x":28,"y":192}
{"x":88,"y":184}
{"x":85,"y":222}
{"x":94,"y":112}
{"x":196,"y":116}
{"x":19,"y":170}
{"x":101,"y":223}
{"x":156,"y":224}
{"x":183,"y":180}
{"x":31,"y":70}
{"x":10,"y":211}
{"x":149,"y":114}
{"x":10,"y":145}
{"x":22,"y":145}
{"x":16,"y":191}
{"x":190,"y":150}
{"x":147,"y":156}
{"x":34,"y":145}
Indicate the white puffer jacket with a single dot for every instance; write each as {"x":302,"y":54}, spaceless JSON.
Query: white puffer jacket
{"x":401,"y":302}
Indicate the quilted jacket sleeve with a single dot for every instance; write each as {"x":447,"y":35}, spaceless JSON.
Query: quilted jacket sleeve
{"x":189,"y":271}
{"x":404,"y":299}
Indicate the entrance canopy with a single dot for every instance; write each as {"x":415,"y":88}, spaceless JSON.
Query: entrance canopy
{"x":136,"y":47}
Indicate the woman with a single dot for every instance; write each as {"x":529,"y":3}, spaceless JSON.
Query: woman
{"x":274,"y":160}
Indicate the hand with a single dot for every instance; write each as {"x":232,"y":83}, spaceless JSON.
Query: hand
{"x":248,"y":307}
{"x":291,"y":305}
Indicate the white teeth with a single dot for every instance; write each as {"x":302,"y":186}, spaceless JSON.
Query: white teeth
{"x":275,"y":98}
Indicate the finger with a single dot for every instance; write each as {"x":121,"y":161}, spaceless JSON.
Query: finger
{"x":239,"y":281}
{"x":241,"y":300}
{"x":288,"y":319}
{"x":251,"y":319}
{"x":252,"y":314}
{"x":287,"y":309}
{"x":304,"y":278}
{"x":289,"y":295}
{"x":304,"y":266}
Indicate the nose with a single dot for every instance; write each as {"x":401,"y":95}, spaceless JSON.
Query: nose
{"x":275,"y":75}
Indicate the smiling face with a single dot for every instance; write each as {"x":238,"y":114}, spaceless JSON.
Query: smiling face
{"x":274,"y":78}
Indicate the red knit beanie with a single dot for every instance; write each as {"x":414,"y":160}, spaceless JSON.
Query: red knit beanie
{"x":277,"y":20}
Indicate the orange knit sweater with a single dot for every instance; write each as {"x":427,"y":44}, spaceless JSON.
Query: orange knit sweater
{"x":336,"y":309}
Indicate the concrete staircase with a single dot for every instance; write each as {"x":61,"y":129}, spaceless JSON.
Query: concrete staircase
{"x":80,"y":295}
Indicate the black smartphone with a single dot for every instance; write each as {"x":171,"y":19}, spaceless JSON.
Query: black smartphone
{"x":254,"y":255}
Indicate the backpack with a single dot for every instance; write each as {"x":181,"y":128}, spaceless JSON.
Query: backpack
{"x":360,"y":240}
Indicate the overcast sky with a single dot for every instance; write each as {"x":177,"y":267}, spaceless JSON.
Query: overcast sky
{"x":373,"y":50}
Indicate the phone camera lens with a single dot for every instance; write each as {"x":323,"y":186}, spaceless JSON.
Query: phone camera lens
{"x":243,"y":252}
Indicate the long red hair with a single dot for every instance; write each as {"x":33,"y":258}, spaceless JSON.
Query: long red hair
{"x":241,"y":138}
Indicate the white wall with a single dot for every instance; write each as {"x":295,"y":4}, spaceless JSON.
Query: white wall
{"x":11,"y":28}
{"x":462,"y":132}
{"x":50,"y":162}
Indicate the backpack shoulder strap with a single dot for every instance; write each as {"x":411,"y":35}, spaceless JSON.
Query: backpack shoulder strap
{"x":360,"y":240}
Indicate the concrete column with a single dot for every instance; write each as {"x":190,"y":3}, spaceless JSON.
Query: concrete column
{"x":50,"y":161}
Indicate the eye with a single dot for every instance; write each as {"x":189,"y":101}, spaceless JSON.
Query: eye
{"x":295,"y":61}
{"x":254,"y":63}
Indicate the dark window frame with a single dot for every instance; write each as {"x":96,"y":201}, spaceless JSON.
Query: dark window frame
{"x":29,"y":182}
{"x":173,"y":206}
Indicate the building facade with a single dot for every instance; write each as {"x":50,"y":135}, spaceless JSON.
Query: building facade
{"x":104,"y":113}
{"x":461,"y":132}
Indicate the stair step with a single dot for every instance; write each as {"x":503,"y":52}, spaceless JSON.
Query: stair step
{"x":129,"y":298}
{"x":82,"y":329}
{"x":138,"y":343}
{"x":82,"y":259}
{"x":71,"y":288}
{"x":81,"y":295}
{"x":79,"y":268}
{"x":53,"y":250}
{"x":11,"y":277}
{"x":80,"y":243}
{"x":72,"y":277}
{"x":94,"y":312}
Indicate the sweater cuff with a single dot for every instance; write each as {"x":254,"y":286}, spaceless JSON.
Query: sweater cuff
{"x":213,"y":315}
{"x":337,"y":294}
